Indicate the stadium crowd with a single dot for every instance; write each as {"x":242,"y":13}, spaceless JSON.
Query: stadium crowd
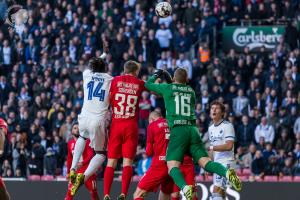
{"x":41,"y":82}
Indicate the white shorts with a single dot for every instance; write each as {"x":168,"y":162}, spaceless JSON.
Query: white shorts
{"x":94,"y":129}
{"x":220,"y":181}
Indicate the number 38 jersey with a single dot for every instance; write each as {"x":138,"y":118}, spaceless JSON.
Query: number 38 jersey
{"x":179,"y":101}
{"x":125,"y":94}
{"x":96,"y":88}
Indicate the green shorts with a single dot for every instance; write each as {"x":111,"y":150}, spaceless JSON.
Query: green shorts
{"x":185,"y":140}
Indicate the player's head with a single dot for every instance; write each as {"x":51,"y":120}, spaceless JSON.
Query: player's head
{"x":181,"y":76}
{"x":154,"y":115}
{"x":131,"y":67}
{"x":3,"y":126}
{"x":97,"y":65}
{"x":217,"y":111}
{"x":75,"y":129}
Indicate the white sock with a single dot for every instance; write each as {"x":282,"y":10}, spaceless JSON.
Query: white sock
{"x":216,"y":196}
{"x":79,"y":148}
{"x":94,"y":165}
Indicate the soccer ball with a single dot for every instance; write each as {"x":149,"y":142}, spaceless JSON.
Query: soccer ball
{"x":163,"y":9}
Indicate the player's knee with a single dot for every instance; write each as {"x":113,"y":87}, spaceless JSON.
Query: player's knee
{"x":203,"y":161}
{"x":112,"y":163}
{"x":127,"y":162}
{"x":139,"y":193}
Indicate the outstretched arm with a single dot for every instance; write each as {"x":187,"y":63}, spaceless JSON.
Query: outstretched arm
{"x":2,"y":140}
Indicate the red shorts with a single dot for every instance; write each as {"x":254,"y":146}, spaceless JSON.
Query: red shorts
{"x":1,"y":183}
{"x":188,"y":172}
{"x":157,"y":176}
{"x":123,"y":139}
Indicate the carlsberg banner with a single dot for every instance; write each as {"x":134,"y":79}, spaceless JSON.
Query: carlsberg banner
{"x":253,"y":37}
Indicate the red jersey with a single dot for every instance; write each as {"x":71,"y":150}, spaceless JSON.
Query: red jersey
{"x":125,"y":94}
{"x":187,"y":160}
{"x":3,"y":125}
{"x":144,"y":106}
{"x":158,"y":134}
{"x":84,"y":161}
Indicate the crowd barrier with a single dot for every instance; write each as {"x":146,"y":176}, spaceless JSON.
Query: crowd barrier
{"x":55,"y":190}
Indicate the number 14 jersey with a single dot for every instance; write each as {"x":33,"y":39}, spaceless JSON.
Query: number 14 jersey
{"x":125,"y":94}
{"x":96,"y":88}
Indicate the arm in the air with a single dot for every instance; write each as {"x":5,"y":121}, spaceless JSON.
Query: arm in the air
{"x":158,"y":88}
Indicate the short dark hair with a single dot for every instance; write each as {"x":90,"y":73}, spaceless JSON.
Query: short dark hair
{"x":131,"y":66}
{"x":180,"y":75}
{"x":97,"y":65}
{"x":218,"y":103}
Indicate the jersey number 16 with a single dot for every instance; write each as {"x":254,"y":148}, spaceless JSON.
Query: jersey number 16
{"x":183,"y":106}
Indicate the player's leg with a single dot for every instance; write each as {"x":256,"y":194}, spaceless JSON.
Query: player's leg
{"x":218,"y":191}
{"x":68,"y":195}
{"x":200,"y":154}
{"x":3,"y":192}
{"x":79,"y":147}
{"x":166,"y":189}
{"x":114,"y":151}
{"x":189,"y":176}
{"x":163,"y":196}
{"x":130,"y":141}
{"x":98,"y":137}
{"x":91,"y":185}
{"x":178,"y":146}
{"x":139,"y":194}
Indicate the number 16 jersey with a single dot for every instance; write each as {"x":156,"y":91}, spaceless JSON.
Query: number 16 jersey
{"x":125,"y":94}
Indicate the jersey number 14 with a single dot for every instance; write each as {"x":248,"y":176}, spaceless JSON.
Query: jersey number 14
{"x":97,"y":92}
{"x":183,"y":105}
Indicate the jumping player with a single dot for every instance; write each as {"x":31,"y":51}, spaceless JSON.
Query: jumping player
{"x":158,"y":134}
{"x":188,"y":170}
{"x":180,"y":105}
{"x":221,"y":135}
{"x":125,"y":95}
{"x":3,"y":131}
{"x":96,"y":85}
{"x":87,"y":155}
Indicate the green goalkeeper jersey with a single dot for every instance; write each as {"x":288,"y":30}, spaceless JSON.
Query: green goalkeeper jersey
{"x":179,"y":101}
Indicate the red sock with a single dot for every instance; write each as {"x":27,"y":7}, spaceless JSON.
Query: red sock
{"x":108,"y":179}
{"x":175,"y":198}
{"x":139,"y":198}
{"x":126,"y":178}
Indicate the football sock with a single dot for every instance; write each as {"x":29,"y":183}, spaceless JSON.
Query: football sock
{"x":178,"y":178}
{"x":126,"y":178}
{"x":94,"y":165}
{"x":108,"y":179}
{"x":216,"y":196}
{"x":139,"y":198}
{"x":79,"y":147}
{"x":216,"y":168}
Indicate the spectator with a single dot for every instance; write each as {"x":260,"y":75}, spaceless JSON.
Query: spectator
{"x":245,"y":132}
{"x":272,"y":168}
{"x":297,"y":126}
{"x":240,"y":103}
{"x":258,"y":165}
{"x":50,"y":162}
{"x":249,"y":157}
{"x":143,"y":164}
{"x":288,"y":169}
{"x":183,"y":62}
{"x":164,"y":36}
{"x":264,"y":130}
{"x":268,"y":152}
{"x":35,"y":166}
{"x":284,"y":142}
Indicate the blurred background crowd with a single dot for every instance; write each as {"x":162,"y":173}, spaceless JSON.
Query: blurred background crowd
{"x":41,"y":83}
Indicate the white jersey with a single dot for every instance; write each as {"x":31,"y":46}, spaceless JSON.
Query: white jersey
{"x":218,"y":135}
{"x":96,"y":88}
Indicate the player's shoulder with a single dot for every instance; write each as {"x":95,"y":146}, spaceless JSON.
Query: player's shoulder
{"x":227,"y":124}
{"x":71,"y":141}
{"x":86,"y":72}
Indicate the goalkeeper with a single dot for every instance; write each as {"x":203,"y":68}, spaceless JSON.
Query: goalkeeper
{"x":185,"y":139}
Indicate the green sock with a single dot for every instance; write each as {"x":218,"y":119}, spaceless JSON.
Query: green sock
{"x":216,"y":168}
{"x":178,"y":178}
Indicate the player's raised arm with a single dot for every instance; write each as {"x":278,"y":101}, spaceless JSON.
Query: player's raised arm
{"x":158,"y":88}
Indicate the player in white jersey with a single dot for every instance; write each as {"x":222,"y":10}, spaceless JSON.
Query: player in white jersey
{"x":92,"y":119}
{"x":221,"y":136}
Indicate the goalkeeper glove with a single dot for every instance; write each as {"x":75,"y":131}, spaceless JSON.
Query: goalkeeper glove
{"x":157,"y":73}
{"x":168,"y":76}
